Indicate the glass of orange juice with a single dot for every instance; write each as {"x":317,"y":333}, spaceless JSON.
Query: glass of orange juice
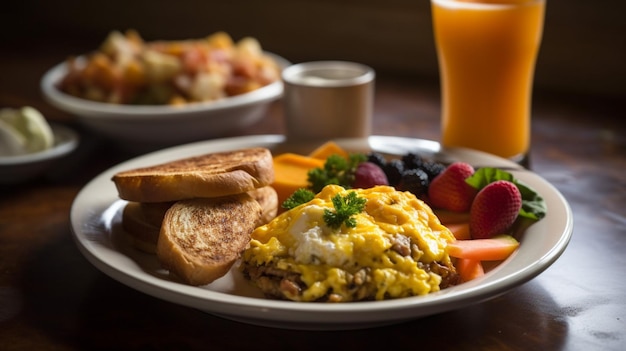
{"x":487,"y":51}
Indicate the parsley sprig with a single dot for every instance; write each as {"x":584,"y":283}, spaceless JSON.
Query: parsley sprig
{"x":337,"y":170}
{"x":298,"y":198}
{"x":345,"y":207}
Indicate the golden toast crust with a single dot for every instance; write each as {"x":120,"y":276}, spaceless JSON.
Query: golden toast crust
{"x":142,"y":220}
{"x":209,"y":175}
{"x":201,"y":239}
{"x":268,"y":199}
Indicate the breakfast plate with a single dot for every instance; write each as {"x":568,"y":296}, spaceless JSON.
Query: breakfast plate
{"x":96,"y":227}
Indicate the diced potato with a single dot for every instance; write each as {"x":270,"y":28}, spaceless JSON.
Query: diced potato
{"x":160,"y":67}
{"x":127,"y":70}
{"x":220,"y":40}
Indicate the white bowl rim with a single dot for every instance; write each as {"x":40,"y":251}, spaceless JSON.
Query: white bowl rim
{"x":65,"y":141}
{"x":94,"y":109}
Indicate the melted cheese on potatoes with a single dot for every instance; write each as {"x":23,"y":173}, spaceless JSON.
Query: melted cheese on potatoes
{"x":395,"y":238}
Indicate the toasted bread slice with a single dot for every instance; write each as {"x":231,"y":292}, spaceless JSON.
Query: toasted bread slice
{"x":209,"y":175}
{"x":268,"y":199}
{"x":142,"y":222}
{"x":201,"y":239}
{"x":143,"y":233}
{"x":153,"y":212}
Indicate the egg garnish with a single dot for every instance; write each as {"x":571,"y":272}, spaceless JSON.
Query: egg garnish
{"x":396,"y":248}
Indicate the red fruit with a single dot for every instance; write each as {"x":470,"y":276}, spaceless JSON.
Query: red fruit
{"x":494,"y":209}
{"x":368,"y":175}
{"x":449,"y":191}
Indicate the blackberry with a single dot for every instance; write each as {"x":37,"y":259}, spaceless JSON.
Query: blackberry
{"x":377,"y":159}
{"x":393,"y":170}
{"x":414,"y":180}
{"x":432,"y":169}
{"x":412,"y":160}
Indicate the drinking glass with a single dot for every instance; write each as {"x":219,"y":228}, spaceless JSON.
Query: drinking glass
{"x":487,"y":51}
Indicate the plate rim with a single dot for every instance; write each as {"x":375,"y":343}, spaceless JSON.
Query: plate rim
{"x":316,"y":315}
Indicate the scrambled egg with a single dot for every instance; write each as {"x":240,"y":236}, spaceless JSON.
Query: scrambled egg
{"x":389,"y":254}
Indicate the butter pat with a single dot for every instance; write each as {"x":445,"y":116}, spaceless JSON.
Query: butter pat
{"x":23,"y":131}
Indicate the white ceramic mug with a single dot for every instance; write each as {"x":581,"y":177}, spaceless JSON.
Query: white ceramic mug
{"x":324,"y":100}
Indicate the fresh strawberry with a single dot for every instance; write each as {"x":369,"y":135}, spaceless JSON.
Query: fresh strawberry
{"x":449,"y":191}
{"x":368,"y":175}
{"x":494,"y":209}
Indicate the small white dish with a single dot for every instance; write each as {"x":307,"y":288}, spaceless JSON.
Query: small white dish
{"x":146,"y":127}
{"x":18,"y":169}
{"x":96,"y":225}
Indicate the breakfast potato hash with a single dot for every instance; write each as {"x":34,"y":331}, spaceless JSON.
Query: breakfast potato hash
{"x":128,"y":70}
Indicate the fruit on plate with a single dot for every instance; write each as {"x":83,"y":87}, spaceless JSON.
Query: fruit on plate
{"x":367,"y":175}
{"x":328,"y":148}
{"x":461,"y":231}
{"x":449,"y":190}
{"x":496,"y":248}
{"x":469,"y":269}
{"x":290,"y":172}
{"x":494,"y":209}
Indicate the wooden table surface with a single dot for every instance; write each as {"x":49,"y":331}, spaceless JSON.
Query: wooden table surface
{"x":51,"y":298}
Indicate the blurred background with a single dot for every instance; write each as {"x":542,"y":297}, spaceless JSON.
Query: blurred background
{"x":583,"y":50}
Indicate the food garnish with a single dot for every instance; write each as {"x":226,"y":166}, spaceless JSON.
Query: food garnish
{"x":345,"y":208}
{"x":337,"y":170}
{"x":298,"y":198}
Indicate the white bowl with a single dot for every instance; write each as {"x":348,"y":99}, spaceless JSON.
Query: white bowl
{"x":163,"y":125}
{"x":18,"y":169}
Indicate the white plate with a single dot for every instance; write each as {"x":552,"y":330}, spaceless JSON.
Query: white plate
{"x":95,"y":219}
{"x":18,"y":169}
{"x":150,"y":126}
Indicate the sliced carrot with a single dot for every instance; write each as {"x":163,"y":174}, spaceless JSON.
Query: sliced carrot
{"x":460,"y":230}
{"x":469,"y":269}
{"x":327,"y":149}
{"x":493,"y":249}
{"x":448,"y":217}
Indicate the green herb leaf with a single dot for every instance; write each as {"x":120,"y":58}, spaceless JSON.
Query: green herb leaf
{"x":533,"y":205}
{"x":345,"y":207}
{"x":337,"y":170}
{"x":298,"y":198}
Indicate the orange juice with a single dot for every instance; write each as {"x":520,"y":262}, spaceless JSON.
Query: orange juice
{"x":487,"y":51}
